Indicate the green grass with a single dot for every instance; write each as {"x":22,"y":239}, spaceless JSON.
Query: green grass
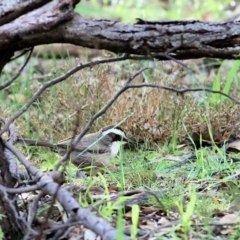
{"x":183,"y":186}
{"x":156,"y":10}
{"x":220,"y":81}
{"x":189,"y":191}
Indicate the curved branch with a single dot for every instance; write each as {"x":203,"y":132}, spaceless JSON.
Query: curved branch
{"x":192,"y":39}
{"x":95,"y":116}
{"x":9,"y":12}
{"x":19,"y":55}
{"x":185,"y":90}
{"x":13,"y":136}
{"x":19,"y":190}
{"x":99,"y":226}
{"x":59,"y":79}
{"x":19,"y":72}
{"x":115,"y":97}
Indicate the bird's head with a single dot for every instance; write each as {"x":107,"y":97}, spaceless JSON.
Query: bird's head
{"x":115,"y":137}
{"x":113,"y":133}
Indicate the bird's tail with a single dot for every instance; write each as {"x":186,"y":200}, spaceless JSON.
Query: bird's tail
{"x":31,"y":142}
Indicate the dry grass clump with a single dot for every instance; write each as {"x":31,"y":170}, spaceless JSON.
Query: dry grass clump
{"x":150,"y":115}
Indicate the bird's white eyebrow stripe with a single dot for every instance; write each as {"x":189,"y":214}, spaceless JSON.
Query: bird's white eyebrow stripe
{"x":116,"y":131}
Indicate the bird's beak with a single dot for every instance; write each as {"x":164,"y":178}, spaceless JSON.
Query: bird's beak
{"x":130,"y":142}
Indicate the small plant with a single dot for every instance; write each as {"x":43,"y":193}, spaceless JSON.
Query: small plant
{"x":107,"y":210}
{"x":186,"y":215}
{"x":120,"y":225}
{"x":1,"y":234}
{"x":135,"y":219}
{"x":215,"y":98}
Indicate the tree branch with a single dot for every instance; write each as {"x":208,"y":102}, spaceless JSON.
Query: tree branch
{"x":55,"y":81}
{"x":99,"y":226}
{"x":96,"y":116}
{"x":192,"y":39}
{"x":19,"y":72}
{"x":115,"y":97}
{"x":9,"y":12}
{"x":19,"y":190}
{"x":185,"y":90}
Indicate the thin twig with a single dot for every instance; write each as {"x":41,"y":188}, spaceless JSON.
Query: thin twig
{"x":19,"y":221}
{"x":19,"y":72}
{"x":95,"y":116}
{"x":182,"y":91}
{"x":59,"y":79}
{"x":32,"y":208}
{"x":215,"y":224}
{"x":20,"y":190}
{"x":115,"y":97}
{"x":61,"y":226}
{"x":21,"y":54}
{"x":129,"y":194}
{"x":72,"y":139}
{"x":71,"y":205}
{"x":48,"y":213}
{"x":168,"y":56}
{"x":135,"y":75}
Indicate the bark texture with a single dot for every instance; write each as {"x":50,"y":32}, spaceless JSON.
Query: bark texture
{"x":43,"y":22}
{"x":8,"y":209}
{"x":10,"y":10}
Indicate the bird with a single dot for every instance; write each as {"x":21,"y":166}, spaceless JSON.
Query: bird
{"x":94,"y":149}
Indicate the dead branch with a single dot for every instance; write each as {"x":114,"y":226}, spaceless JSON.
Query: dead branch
{"x":9,"y":12}
{"x":57,"y":22}
{"x":71,"y":206}
{"x":32,"y":207}
{"x":193,"y":39}
{"x":115,"y":97}
{"x":13,"y":136}
{"x":7,"y":84}
{"x":55,"y":81}
{"x":11,"y":213}
{"x":19,"y":190}
{"x":96,"y":116}
{"x":185,"y":90}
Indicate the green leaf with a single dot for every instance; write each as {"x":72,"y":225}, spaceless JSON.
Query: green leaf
{"x":231,"y":75}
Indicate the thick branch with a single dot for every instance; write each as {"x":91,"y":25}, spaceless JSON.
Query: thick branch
{"x":35,"y":22}
{"x":187,"y":39}
{"x":99,"y":226}
{"x":9,"y":12}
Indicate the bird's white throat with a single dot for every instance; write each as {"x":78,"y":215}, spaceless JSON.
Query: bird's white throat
{"x":115,"y":147}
